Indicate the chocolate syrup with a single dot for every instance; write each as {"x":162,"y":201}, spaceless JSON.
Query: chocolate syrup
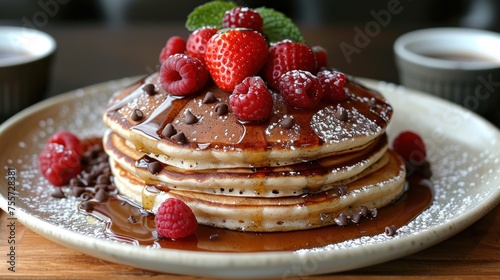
{"x":233,"y":134}
{"x":131,"y":223}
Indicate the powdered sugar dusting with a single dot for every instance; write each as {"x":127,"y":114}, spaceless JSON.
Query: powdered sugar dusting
{"x":355,"y":125}
{"x":80,"y":115}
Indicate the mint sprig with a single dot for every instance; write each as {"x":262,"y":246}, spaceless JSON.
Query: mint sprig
{"x":277,"y":26}
{"x":209,"y":14}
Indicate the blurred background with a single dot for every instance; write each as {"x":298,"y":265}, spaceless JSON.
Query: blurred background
{"x":101,"y":40}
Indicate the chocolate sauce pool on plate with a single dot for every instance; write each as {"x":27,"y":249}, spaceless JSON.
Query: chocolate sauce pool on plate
{"x":130,"y":223}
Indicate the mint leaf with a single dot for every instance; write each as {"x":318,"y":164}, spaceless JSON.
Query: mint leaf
{"x":209,"y":14}
{"x":278,"y":27}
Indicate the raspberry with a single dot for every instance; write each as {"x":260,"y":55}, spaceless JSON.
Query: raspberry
{"x":182,"y":75}
{"x":175,"y":219}
{"x":68,"y":140}
{"x":333,"y":84}
{"x":242,"y":17}
{"x":321,"y":57}
{"x":285,"y":56}
{"x":59,"y":164}
{"x":300,"y":89}
{"x":197,"y":42}
{"x":175,"y":44}
{"x":251,"y":100}
{"x":411,"y":147}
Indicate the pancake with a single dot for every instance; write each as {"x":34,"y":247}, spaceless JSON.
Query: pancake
{"x":222,"y":141}
{"x":299,"y":169}
{"x":290,"y":180}
{"x":264,"y":214}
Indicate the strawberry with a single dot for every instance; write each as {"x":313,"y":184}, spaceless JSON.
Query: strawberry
{"x":197,"y":42}
{"x":235,"y":54}
{"x":286,"y":56}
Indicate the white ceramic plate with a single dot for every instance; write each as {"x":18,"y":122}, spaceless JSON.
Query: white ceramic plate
{"x":464,"y":151}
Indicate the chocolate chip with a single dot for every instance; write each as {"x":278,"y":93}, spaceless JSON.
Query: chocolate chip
{"x":189,"y":118}
{"x":101,"y":195}
{"x":149,"y":89}
{"x":85,"y":196}
{"x":209,"y":98}
{"x":221,"y":109}
{"x":364,"y":211}
{"x":75,"y":182}
{"x":87,"y":206}
{"x":132,"y":219}
{"x":137,"y":115}
{"x":180,"y":138}
{"x":89,"y":178}
{"x":214,"y":237}
{"x":155,"y":167}
{"x":103,"y":179}
{"x":341,"y":220}
{"x":374,"y":212}
{"x":342,"y":189}
{"x":58,"y":193}
{"x":390,"y":230}
{"x":287,"y":122}
{"x":168,"y":131}
{"x":341,"y":114}
{"x":356,"y":218}
{"x":101,"y":187}
{"x":77,"y":191}
{"x":371,"y":102}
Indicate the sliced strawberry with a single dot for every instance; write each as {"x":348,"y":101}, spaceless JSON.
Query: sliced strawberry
{"x":233,"y":55}
{"x":286,"y":56}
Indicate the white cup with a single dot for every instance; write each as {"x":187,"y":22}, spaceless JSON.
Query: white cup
{"x":458,"y":64}
{"x":25,"y":63}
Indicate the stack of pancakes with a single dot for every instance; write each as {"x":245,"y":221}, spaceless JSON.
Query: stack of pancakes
{"x":299,"y":169}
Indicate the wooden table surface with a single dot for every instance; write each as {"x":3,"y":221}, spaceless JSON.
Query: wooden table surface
{"x":89,"y":54}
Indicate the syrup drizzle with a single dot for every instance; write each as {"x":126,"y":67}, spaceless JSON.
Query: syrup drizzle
{"x":117,"y":213}
{"x":248,"y":136}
